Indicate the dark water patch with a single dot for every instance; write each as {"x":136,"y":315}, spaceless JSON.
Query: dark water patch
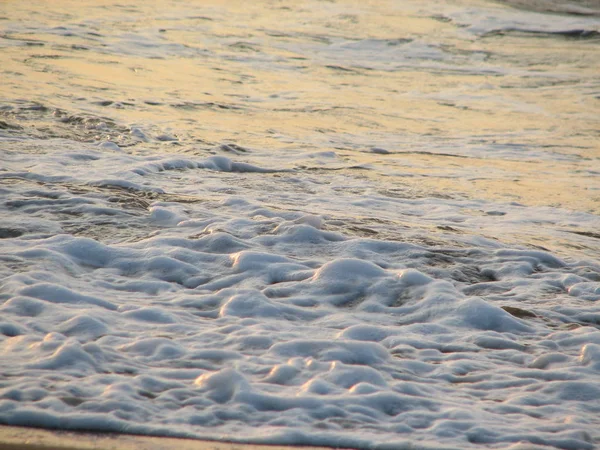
{"x":332,"y":169}
{"x":47,"y":57}
{"x":72,"y":401}
{"x":589,"y":234}
{"x":571,"y":7}
{"x":424,"y":152}
{"x":28,"y":42}
{"x":35,"y":107}
{"x":378,"y":150}
{"x":482,"y":289}
{"x":36,"y":203}
{"x":244,"y":46}
{"x":109,"y":231}
{"x":234,"y":148}
{"x":340,"y":68}
{"x":8,"y":233}
{"x":472,"y":275}
{"x":107,"y":214}
{"x":566,"y":34}
{"x":453,"y":105}
{"x":7,"y":126}
{"x":454,"y":50}
{"x":11,"y":330}
{"x":413,"y":193}
{"x":519,"y":312}
{"x":103,"y":102}
{"x":193,"y":106}
{"x":124,"y":196}
{"x":82,"y":119}
{"x":441,"y":18}
{"x":362,"y":231}
{"x":130,"y":201}
{"x":40,"y":121}
{"x":449,"y":228}
{"x":313,"y":109}
{"x":130,"y":197}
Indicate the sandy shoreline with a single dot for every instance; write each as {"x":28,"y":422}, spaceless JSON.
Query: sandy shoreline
{"x":23,"y":438}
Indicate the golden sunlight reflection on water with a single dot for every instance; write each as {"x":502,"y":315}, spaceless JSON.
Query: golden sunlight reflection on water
{"x":508,"y":118}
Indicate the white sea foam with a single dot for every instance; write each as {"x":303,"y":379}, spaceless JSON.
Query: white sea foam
{"x":294,"y":329}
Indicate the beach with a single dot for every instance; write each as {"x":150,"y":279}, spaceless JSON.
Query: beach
{"x":20,"y":438}
{"x":366,"y":225}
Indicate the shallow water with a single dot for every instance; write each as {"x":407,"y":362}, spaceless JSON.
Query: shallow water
{"x":345,"y":223}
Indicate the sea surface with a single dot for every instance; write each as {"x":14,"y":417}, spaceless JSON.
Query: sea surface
{"x":359,"y":224}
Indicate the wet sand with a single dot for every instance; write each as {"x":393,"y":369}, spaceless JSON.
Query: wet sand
{"x":22,"y":438}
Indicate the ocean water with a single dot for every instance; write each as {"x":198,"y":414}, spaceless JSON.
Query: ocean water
{"x":345,"y":223}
